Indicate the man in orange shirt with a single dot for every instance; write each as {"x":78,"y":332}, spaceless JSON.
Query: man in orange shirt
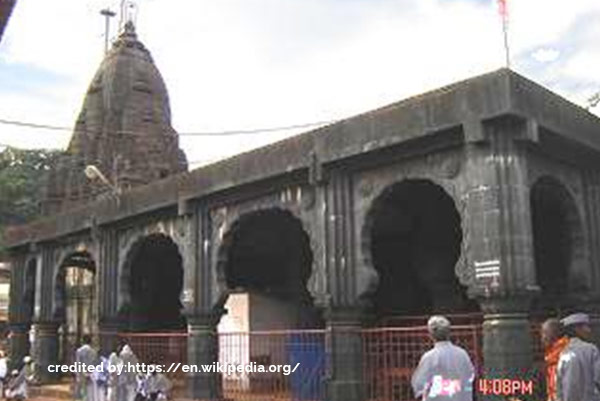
{"x":554,"y":342}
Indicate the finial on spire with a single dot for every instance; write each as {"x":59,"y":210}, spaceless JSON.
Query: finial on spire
{"x":129,"y":28}
{"x":128,"y":18}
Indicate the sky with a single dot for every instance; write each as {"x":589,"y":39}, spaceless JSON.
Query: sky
{"x":234,"y":65}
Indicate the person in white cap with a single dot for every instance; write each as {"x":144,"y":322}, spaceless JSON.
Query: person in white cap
{"x":445,"y":372}
{"x":578,"y":371}
{"x":29,"y":369}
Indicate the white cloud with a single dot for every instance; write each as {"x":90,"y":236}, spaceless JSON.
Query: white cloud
{"x":545,"y":55}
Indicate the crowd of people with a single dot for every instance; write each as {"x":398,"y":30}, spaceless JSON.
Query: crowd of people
{"x":101,"y":385}
{"x":108,"y":385}
{"x":572,"y":363}
{"x":14,"y":386}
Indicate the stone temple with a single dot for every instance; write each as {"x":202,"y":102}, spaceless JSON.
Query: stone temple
{"x":479,"y":200}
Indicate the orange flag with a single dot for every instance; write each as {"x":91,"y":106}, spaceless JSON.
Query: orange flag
{"x":503,"y":8}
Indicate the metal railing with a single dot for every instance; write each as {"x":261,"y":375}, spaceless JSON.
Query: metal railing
{"x":389,"y":357}
{"x":282,"y":351}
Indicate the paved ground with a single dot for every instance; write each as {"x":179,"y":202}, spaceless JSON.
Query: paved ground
{"x":42,"y":399}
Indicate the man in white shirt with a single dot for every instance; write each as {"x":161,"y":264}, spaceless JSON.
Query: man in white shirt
{"x":445,"y":372}
{"x":3,"y":371}
{"x":578,"y":371}
{"x":128,"y":379}
{"x":86,"y":355}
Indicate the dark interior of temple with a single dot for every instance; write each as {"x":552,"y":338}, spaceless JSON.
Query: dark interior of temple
{"x":552,"y":243}
{"x":269,"y":252}
{"x":415,"y":242}
{"x":155,"y":285}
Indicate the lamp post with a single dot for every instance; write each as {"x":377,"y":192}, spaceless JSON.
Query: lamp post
{"x":93,"y":173}
{"x":107,"y":14}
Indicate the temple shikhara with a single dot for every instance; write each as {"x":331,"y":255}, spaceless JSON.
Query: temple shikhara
{"x":124,"y":129}
{"x":479,"y":201}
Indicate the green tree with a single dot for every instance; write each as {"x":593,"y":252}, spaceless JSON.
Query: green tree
{"x":22,"y":182}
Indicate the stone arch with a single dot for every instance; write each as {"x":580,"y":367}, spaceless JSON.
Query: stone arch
{"x":129,"y":239}
{"x":151,"y":283}
{"x":267,"y":252}
{"x":369,"y":186}
{"x":412,"y":236}
{"x":559,"y":245}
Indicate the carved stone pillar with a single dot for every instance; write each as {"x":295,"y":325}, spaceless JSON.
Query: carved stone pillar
{"x":592,"y":203}
{"x":203,"y":349}
{"x":498,"y":251}
{"x":343,"y":347}
{"x":47,"y":339}
{"x":595,"y":324}
{"x":107,"y":278}
{"x":19,"y":321}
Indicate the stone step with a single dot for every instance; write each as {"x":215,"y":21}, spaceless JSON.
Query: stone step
{"x":61,"y":391}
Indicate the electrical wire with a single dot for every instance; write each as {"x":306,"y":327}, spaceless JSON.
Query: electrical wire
{"x":193,"y":162}
{"x":251,"y":131}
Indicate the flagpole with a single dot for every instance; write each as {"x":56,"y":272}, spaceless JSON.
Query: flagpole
{"x":506,"y":48}
{"x":503,"y":9}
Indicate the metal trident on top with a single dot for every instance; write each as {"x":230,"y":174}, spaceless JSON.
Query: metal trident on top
{"x":129,"y":11}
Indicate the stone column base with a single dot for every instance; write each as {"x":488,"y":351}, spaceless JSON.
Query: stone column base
{"x":203,"y":349}
{"x":47,"y":338}
{"x":343,"y":345}
{"x":508,"y":346}
{"x":19,"y":344}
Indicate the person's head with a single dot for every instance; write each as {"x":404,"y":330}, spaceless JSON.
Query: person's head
{"x":552,"y":330}
{"x":14,"y":372}
{"x":122,"y":343}
{"x":86,"y":339}
{"x":578,"y":325}
{"x":27,"y":360}
{"x":439,"y":328}
{"x":126,"y":350}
